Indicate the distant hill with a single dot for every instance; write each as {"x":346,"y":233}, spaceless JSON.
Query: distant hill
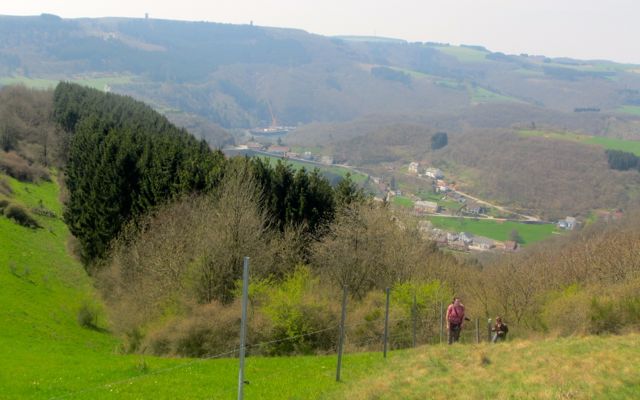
{"x":233,"y":75}
{"x":364,"y":100}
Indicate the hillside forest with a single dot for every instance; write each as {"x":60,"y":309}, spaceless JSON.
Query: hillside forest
{"x":162,"y":222}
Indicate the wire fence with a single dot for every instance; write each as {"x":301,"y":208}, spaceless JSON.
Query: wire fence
{"x":428,"y":328}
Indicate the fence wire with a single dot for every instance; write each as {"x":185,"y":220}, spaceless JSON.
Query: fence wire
{"x":396,"y":340}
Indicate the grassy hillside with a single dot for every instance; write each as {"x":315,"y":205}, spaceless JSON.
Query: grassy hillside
{"x":632,"y":146}
{"x":574,"y":368}
{"x":45,"y":354}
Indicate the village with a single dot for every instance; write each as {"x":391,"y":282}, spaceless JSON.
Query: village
{"x":439,"y":199}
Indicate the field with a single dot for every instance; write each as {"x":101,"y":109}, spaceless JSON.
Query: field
{"x":46,"y":354}
{"x":632,"y":146}
{"x":574,"y":368}
{"x":334,"y":170}
{"x":464,"y":54}
{"x":493,"y":229}
{"x":635,"y":110}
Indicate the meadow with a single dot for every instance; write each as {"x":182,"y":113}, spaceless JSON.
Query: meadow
{"x":497,"y":230}
{"x":632,"y":146}
{"x":46,"y":354}
{"x":334,"y":170}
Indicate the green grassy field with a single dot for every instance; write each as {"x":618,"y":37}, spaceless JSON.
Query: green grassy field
{"x":45,"y":354}
{"x":341,"y":171}
{"x":632,"y":146}
{"x":635,"y":110}
{"x":464,"y":54}
{"x":402,"y":201}
{"x":482,"y":95}
{"x":496,"y":230}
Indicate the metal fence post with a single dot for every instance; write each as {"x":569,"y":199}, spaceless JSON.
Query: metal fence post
{"x":341,"y":339}
{"x":386,"y":323}
{"x":415,"y":318}
{"x":441,"y":320}
{"x":243,"y":325}
{"x":489,"y":330}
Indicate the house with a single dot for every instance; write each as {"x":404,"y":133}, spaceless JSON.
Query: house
{"x":278,"y":150}
{"x":475,"y":208}
{"x":434,"y":173}
{"x":510,"y":245}
{"x":426,"y":207}
{"x":482,"y":243}
{"x":254,"y":146}
{"x":328,"y":160}
{"x":413,"y":168}
{"x":452,"y":237}
{"x":569,"y":223}
{"x":467,"y":238}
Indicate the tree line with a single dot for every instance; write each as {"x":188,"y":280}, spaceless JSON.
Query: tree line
{"x":125,"y":159}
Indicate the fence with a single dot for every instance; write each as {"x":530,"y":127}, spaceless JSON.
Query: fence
{"x":426,"y":326}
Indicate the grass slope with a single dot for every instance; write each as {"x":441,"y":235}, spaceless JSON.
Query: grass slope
{"x":632,"y":146}
{"x":45,"y":354}
{"x":573,"y":368}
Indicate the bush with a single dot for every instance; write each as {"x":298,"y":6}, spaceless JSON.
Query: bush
{"x":3,"y":204}
{"x":5,"y":187}
{"x":21,"y":216}
{"x":209,"y":330}
{"x":19,"y":168}
{"x":88,"y":316}
{"x":603,"y":317}
{"x":299,"y":315}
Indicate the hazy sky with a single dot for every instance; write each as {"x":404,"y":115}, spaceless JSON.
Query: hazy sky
{"x":586,"y":29}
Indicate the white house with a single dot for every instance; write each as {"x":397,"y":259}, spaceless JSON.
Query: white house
{"x":413,"y":168}
{"x":434,"y":173}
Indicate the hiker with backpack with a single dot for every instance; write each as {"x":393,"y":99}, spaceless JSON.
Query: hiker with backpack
{"x":500,"y":330}
{"x":455,"y":319}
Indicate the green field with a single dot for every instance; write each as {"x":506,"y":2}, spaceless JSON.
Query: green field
{"x":482,"y":95}
{"x":402,"y":201}
{"x":45,"y":354}
{"x":635,"y":110}
{"x":496,"y":230}
{"x":632,"y":146}
{"x":464,"y":54}
{"x":340,"y":171}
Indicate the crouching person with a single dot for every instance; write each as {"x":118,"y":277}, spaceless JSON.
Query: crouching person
{"x":500,"y":330}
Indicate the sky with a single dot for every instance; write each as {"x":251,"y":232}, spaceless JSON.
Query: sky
{"x":583,"y":29}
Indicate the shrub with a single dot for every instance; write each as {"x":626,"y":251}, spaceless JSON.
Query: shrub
{"x":88,"y":316}
{"x":566,"y":311}
{"x":5,"y":187}
{"x":603,"y":317}
{"x":3,"y":204}
{"x":21,"y":216}
{"x":299,"y":315}
{"x":209,"y":329}
{"x":19,"y":168}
